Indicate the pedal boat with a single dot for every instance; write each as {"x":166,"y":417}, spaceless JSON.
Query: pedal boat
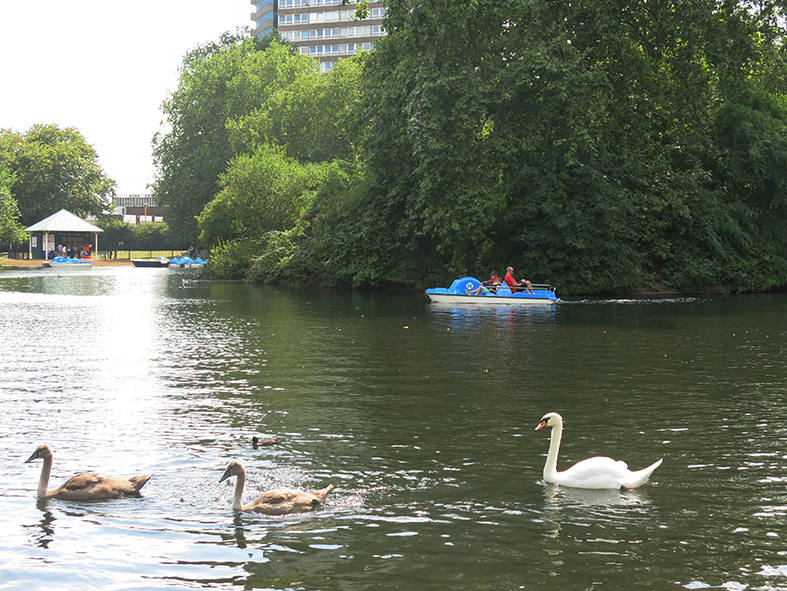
{"x":461,"y":290}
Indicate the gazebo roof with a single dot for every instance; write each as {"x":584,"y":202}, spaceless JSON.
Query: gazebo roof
{"x":63,"y":221}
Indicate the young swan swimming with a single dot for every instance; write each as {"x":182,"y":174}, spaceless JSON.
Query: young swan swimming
{"x":273,"y":502}
{"x":84,"y":487}
{"x":598,"y":472}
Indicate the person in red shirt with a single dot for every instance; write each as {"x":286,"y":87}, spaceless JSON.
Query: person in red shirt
{"x":513,"y":283}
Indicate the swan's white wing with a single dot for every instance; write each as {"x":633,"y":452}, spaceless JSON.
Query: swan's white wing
{"x":597,"y":472}
{"x":640,"y":477}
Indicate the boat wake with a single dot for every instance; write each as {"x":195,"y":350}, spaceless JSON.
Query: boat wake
{"x":644,"y":300}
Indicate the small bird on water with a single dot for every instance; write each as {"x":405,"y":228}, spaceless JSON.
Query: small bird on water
{"x":257,"y":442}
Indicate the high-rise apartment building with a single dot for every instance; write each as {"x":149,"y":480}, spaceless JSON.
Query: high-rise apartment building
{"x":264,"y":17}
{"x":323,"y":29}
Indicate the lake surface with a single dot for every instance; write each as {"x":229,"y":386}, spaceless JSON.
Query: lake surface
{"x":421,"y":415}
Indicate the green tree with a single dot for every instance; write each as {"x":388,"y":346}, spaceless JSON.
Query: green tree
{"x":54,"y":169}
{"x":120,"y":235}
{"x":312,"y":118}
{"x":10,"y":228}
{"x":218,"y":84}
{"x":262,"y":192}
{"x":575,"y":140}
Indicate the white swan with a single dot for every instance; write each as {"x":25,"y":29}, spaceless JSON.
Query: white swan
{"x":598,"y":472}
{"x":84,"y":487}
{"x":273,"y":502}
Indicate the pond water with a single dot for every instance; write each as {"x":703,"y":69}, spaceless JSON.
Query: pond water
{"x":421,"y":415}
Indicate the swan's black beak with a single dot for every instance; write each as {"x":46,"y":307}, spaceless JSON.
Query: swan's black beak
{"x":33,"y":457}
{"x":541,"y":425}
{"x":226,"y":475}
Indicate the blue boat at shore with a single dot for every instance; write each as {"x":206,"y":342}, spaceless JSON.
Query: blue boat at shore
{"x":182,"y":262}
{"x":68,"y":263}
{"x":463,"y":291}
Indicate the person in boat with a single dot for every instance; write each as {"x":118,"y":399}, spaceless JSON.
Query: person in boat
{"x":486,"y":286}
{"x":494,"y":280}
{"x":514,"y":284}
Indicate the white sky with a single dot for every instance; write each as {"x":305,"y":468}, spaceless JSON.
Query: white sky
{"x":104,"y":67}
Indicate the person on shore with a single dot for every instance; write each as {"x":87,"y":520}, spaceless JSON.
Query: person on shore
{"x":513,"y":283}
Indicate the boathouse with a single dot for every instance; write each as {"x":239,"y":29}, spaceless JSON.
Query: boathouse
{"x":62,"y":227}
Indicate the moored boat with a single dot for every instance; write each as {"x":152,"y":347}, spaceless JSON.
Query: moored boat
{"x":66,"y":263}
{"x":158,"y":262}
{"x":181,"y":262}
{"x":462,"y":291}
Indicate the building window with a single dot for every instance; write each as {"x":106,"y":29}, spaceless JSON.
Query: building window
{"x":319,"y":34}
{"x":293,"y":19}
{"x":320,"y":50}
{"x":353,"y":48}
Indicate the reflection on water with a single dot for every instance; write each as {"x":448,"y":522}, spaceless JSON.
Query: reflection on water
{"x":421,"y":415}
{"x":42,"y":532}
{"x":573,"y":506}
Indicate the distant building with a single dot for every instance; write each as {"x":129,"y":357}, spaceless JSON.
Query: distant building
{"x":138,"y":209}
{"x":323,"y":29}
{"x":264,"y":17}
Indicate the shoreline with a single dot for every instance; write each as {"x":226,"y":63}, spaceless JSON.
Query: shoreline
{"x":26,"y":263}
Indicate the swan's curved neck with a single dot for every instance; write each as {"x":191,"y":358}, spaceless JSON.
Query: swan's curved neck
{"x":550,"y":468}
{"x":240,"y":482}
{"x":43,"y":481}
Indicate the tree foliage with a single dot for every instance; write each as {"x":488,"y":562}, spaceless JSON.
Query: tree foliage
{"x":310,"y":118}
{"x":600,"y":146}
{"x":54,"y":169}
{"x":120,"y":235}
{"x":10,"y":228}
{"x":587,"y":143}
{"x":218,"y":83}
{"x":262,"y":192}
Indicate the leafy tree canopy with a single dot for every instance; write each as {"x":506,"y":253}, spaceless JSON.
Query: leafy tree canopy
{"x":579,"y":141}
{"x":54,"y":169}
{"x":218,"y":83}
{"x":310,"y":118}
{"x":10,"y":228}
{"x":262,"y":191}
{"x":602,"y":146}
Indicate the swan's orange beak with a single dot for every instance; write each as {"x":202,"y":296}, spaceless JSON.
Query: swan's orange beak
{"x":541,"y":424}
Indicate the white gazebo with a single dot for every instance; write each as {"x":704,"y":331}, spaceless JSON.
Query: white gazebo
{"x":63,"y":223}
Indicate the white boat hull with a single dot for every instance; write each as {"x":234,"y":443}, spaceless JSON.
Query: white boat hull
{"x":80,"y":265}
{"x":454,"y":298}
